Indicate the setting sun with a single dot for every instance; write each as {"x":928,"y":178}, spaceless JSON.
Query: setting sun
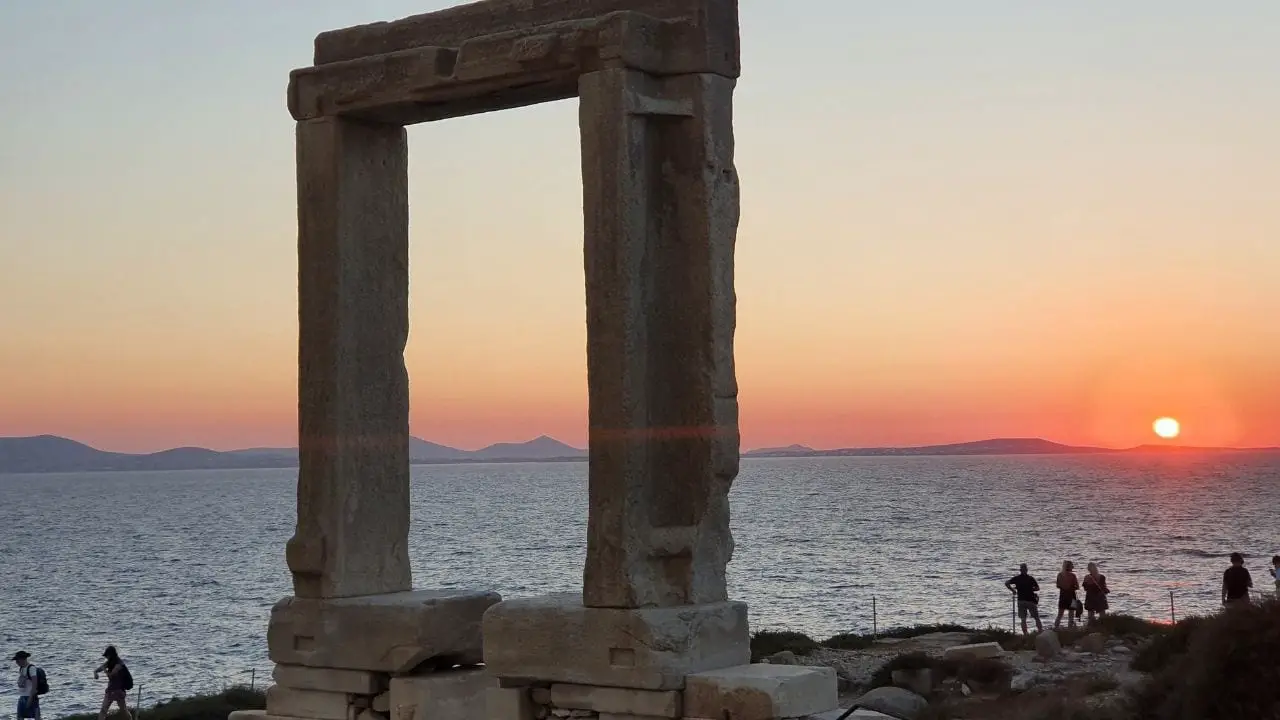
{"x":1166,"y":427}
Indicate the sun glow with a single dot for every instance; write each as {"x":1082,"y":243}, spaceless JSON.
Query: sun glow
{"x":1166,"y":427}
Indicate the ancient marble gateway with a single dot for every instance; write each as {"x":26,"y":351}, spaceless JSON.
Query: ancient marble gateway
{"x":653,"y":633}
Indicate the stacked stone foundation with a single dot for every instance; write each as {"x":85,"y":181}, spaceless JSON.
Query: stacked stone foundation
{"x":398,"y":656}
{"x":554,"y":658}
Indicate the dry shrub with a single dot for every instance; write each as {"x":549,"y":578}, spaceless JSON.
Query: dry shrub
{"x":1229,"y":671}
{"x":770,"y":642}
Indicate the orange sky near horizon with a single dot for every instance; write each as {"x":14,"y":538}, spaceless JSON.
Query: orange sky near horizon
{"x":1043,"y":221}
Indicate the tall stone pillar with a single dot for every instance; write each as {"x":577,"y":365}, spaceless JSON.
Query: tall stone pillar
{"x":661,"y":208}
{"x":353,"y":392}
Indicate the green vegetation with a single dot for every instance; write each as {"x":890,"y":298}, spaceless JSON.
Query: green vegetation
{"x":768,"y":642}
{"x":197,"y":707}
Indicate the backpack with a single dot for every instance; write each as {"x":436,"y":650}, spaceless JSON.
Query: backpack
{"x":126,"y":677}
{"x":42,"y":682}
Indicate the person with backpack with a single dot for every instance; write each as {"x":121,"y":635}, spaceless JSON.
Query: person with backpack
{"x":31,"y":685}
{"x":119,"y":683}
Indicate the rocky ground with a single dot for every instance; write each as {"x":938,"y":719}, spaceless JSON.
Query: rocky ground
{"x":1094,"y":669}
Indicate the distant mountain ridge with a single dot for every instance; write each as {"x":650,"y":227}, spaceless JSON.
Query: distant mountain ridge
{"x":50,"y":453}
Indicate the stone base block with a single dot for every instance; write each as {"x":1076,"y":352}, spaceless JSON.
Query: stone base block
{"x":509,"y":704}
{"x":617,"y":701}
{"x":355,"y":682}
{"x":760,"y":692}
{"x":314,"y":704}
{"x":392,"y":633}
{"x":557,"y":639}
{"x":453,"y":695}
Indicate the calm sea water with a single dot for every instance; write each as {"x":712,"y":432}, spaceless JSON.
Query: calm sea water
{"x":180,"y":569}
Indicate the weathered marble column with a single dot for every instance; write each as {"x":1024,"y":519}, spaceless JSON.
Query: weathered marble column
{"x":661,"y":208}
{"x":353,"y":391}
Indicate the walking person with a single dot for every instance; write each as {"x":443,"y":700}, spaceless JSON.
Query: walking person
{"x":1027,"y":590}
{"x":1236,"y":583}
{"x":1095,"y":593}
{"x":119,"y":683}
{"x":28,"y":686}
{"x":1068,"y":585}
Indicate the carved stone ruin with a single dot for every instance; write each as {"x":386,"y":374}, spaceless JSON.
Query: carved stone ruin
{"x":653,"y":633}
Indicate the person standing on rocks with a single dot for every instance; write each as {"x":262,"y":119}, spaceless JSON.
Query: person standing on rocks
{"x":1027,"y":591}
{"x":1275,"y":573}
{"x":119,"y":682}
{"x":1068,"y":586}
{"x":1236,"y":583}
{"x":28,"y":686}
{"x":1095,"y":593}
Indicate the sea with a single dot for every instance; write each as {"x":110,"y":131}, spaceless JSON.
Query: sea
{"x":180,"y":569}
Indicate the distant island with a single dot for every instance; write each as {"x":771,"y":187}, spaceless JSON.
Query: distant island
{"x":53,"y":454}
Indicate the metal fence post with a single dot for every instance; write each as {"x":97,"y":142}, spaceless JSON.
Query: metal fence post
{"x":875,"y":626}
{"x":1173,"y":613}
{"x":253,"y":673}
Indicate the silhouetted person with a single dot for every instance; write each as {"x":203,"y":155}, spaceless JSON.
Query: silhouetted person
{"x":119,"y":681}
{"x":1068,"y":585}
{"x":1028,"y":592}
{"x":1236,"y":583}
{"x":1095,"y":593}
{"x":1275,"y":573}
{"x":28,"y":686}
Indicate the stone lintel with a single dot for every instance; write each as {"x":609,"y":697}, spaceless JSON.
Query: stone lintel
{"x":393,"y":633}
{"x":760,"y":692}
{"x":618,"y":701}
{"x":355,"y":682}
{"x":491,"y":72}
{"x":713,"y":27}
{"x":557,"y":639}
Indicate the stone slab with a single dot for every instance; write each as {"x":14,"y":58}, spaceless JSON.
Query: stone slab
{"x":393,"y":633}
{"x":976,"y":651}
{"x":494,"y":72}
{"x":557,"y":639}
{"x":453,"y":695}
{"x":617,"y":701}
{"x":715,"y":23}
{"x":290,"y":702}
{"x":356,"y":682}
{"x":509,"y":704}
{"x":761,"y":692}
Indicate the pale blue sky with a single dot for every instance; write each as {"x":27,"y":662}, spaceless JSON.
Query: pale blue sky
{"x":937,"y":194}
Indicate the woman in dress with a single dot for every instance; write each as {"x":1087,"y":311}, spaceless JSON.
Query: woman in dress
{"x":1068,"y":585}
{"x":1095,"y":593}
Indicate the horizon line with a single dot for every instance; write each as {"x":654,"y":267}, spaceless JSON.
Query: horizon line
{"x":797,"y":447}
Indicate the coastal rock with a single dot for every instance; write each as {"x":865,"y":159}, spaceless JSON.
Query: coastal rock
{"x":1047,"y":645}
{"x":760,"y":692}
{"x":786,"y":657}
{"x":1024,"y":681}
{"x":918,"y":681}
{"x":894,"y":702}
{"x":1092,"y":643}
{"x":976,"y":651}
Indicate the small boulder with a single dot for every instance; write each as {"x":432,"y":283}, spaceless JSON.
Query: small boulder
{"x":918,"y":681}
{"x":786,"y":657}
{"x":1047,"y":645}
{"x":1121,"y":650}
{"x":1095,"y":643}
{"x":976,"y":651}
{"x":1024,"y":681}
{"x":894,"y":702}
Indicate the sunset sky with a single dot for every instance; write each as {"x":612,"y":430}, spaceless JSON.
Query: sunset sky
{"x":960,"y":220}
